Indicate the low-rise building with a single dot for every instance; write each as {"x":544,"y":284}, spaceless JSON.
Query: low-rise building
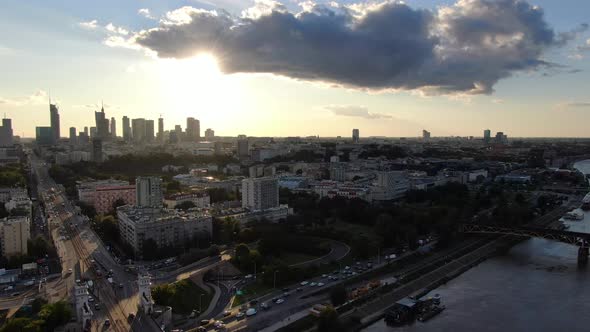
{"x":200,"y":199}
{"x":105,"y":197}
{"x":166,"y":227}
{"x":87,"y":190}
{"x":244,"y":216}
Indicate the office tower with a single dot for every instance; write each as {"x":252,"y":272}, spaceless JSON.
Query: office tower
{"x":93,"y":132}
{"x":54,"y":114}
{"x":209,"y":134}
{"x":193,"y":129}
{"x":126,"y":129}
{"x":6,"y":134}
{"x":138,"y":128}
{"x":260,"y":193}
{"x":15,"y":232}
{"x":102,"y":124}
{"x":161,"y":130}
{"x":97,"y":150}
{"x":73,"y":138}
{"x":487,"y":135}
{"x":149,"y":131}
{"x":148,"y":191}
{"x":86,"y":131}
{"x":355,"y":136}
{"x":44,"y":136}
{"x":425,"y":134}
{"x":83,"y":138}
{"x":243,"y":149}
{"x":113,"y":128}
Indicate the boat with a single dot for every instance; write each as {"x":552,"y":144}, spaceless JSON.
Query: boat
{"x":574,"y":215}
{"x":431,"y":312}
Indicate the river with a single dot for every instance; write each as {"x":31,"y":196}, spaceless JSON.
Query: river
{"x":537,"y":286}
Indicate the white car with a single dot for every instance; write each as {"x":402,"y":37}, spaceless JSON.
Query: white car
{"x":90,"y":299}
{"x":251,"y":312}
{"x":304,"y":283}
{"x":320,"y":284}
{"x":279,"y":301}
{"x":313,"y":284}
{"x":218,"y":324}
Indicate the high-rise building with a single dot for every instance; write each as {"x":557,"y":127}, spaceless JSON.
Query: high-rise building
{"x":86,"y":131}
{"x":138,"y":127}
{"x":97,"y":150}
{"x":44,"y":136}
{"x":149,"y":131}
{"x":126,"y":129}
{"x":260,"y":193}
{"x":83,"y":138}
{"x":425,"y":134}
{"x":73,"y":137}
{"x":54,"y":114}
{"x":209,"y":134}
{"x":193,"y":129}
{"x":102,"y":124}
{"x":243,"y":148}
{"x":487,"y":135}
{"x":6,"y":134}
{"x":501,"y":138}
{"x":161,"y":130}
{"x":356,"y":136}
{"x":148,"y":191}
{"x":15,"y":232}
{"x":93,"y":132}
{"x":113,"y":128}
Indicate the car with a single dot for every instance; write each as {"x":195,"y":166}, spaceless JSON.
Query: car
{"x":97,"y":306}
{"x":204,"y":322}
{"x":265,"y":306}
{"x":90,"y":299}
{"x":299,"y":289}
{"x":320,"y":284}
{"x":120,"y":285}
{"x":313,"y":284}
{"x":218,"y":324}
{"x":304,"y":283}
{"x":253,"y":302}
{"x":285,"y":289}
{"x":70,"y":270}
{"x":107,"y":322}
{"x":286,"y":294}
{"x":240,"y":315}
{"x":201,"y":329}
{"x":324,"y":275}
{"x":251,"y":312}
{"x":15,"y":294}
{"x":226,"y":313}
{"x":131,"y":317}
{"x":279,"y":301}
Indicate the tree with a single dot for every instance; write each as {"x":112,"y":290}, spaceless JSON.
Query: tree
{"x":328,"y":320}
{"x":55,"y":314}
{"x":338,"y":296}
{"x":185,"y":205}
{"x":117,"y":203}
{"x":173,"y":186}
{"x":242,"y":252}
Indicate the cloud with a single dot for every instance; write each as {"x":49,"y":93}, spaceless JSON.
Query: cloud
{"x":40,"y":97}
{"x":145,"y":12}
{"x":465,"y":48}
{"x":355,"y":111}
{"x":116,"y":30}
{"x":90,"y":25}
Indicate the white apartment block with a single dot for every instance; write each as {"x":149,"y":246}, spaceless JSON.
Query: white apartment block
{"x":148,"y":191}
{"x":260,"y":193}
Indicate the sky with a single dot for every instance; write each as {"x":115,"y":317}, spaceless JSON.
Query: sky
{"x":298,"y":68}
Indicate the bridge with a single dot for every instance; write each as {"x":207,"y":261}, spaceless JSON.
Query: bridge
{"x":575,"y":238}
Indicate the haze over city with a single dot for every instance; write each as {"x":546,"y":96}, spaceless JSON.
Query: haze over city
{"x":460,"y":67}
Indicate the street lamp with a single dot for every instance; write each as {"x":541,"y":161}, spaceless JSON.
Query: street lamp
{"x":274,"y":280}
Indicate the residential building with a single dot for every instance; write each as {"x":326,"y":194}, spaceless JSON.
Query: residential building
{"x":260,"y":193}
{"x":55,"y":127}
{"x":338,"y":172}
{"x":138,"y":128}
{"x":209,"y":134}
{"x":501,"y":138}
{"x":14,"y":233}
{"x":168,"y":228}
{"x":200,"y":199}
{"x":87,"y":190}
{"x":355,"y":136}
{"x":6,"y":133}
{"x":193,"y":130}
{"x":148,"y":191}
{"x":425,"y":135}
{"x":105,"y":197}
{"x":243,"y":149}
{"x":149,"y":131}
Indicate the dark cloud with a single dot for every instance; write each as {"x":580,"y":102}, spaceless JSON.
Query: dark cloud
{"x":466,"y":48}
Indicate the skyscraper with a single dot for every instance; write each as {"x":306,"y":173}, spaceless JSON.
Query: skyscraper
{"x":44,"y":136}
{"x":86,"y":131}
{"x":355,"y":136}
{"x":487,"y":135}
{"x":161,"y":130}
{"x":93,"y":132}
{"x":126,"y":129}
{"x":102,"y":124}
{"x":138,"y":127}
{"x":6,"y":134}
{"x":209,"y":134}
{"x":148,"y":191}
{"x":113,"y":128}
{"x":54,"y":114}
{"x":73,"y":137}
{"x":425,"y":134}
{"x":193,"y":129}
{"x":149,"y":130}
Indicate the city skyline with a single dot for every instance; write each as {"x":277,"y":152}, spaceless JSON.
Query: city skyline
{"x":545,"y":96}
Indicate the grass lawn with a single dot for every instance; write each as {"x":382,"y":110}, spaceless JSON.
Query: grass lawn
{"x":183,"y":296}
{"x":291,"y":258}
